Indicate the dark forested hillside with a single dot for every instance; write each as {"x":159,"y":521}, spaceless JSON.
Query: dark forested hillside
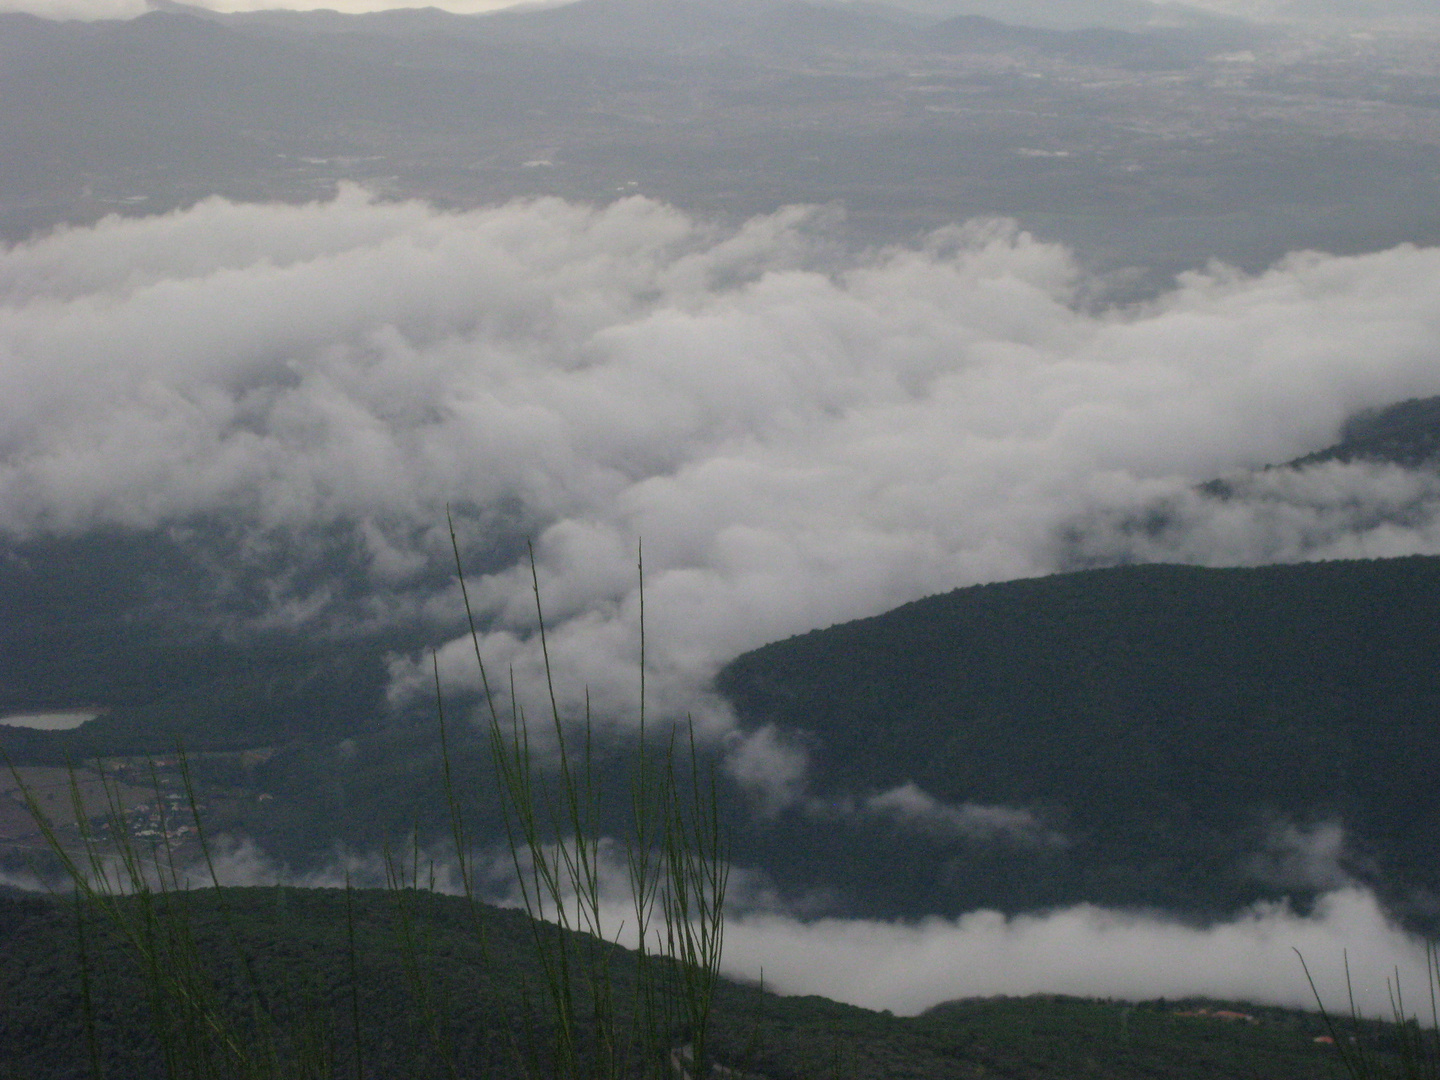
{"x":170,"y":637}
{"x":1183,"y":737}
{"x":296,"y":944}
{"x":1407,"y":433}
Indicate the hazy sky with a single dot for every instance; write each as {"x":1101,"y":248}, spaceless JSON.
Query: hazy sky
{"x":1249,"y":9}
{"x":125,"y":9}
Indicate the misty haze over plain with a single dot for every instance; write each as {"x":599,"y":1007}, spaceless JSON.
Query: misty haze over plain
{"x":834,"y":308}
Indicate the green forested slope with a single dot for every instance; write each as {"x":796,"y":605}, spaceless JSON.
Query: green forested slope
{"x":1180,"y":731}
{"x":296,"y":942}
{"x":1406,"y":433}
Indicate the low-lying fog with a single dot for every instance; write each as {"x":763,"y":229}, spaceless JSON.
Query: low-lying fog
{"x":64,"y":720}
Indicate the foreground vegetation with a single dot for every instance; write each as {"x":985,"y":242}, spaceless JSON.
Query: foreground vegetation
{"x":489,"y":1005}
{"x":653,"y":1019}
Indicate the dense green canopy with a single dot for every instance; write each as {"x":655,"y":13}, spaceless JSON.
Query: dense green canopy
{"x":1182,"y":733}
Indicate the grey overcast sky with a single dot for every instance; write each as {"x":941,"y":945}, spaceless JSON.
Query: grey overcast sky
{"x":1248,"y":9}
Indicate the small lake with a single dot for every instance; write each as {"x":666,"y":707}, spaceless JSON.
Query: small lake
{"x":57,"y":720}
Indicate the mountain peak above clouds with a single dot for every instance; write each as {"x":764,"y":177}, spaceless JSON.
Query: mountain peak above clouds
{"x":1405,"y":434}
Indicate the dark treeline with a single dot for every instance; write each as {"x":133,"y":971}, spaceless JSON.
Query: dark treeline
{"x":296,"y":943}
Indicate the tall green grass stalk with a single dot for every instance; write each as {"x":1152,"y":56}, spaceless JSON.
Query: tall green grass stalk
{"x":676,"y":869}
{"x":1414,"y":1053}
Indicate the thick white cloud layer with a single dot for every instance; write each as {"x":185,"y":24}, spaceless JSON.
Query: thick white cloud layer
{"x":801,"y":434}
{"x":1089,"y":952}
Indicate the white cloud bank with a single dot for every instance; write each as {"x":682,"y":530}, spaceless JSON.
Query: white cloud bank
{"x":1088,"y":952}
{"x":801,"y":434}
{"x":913,"y":807}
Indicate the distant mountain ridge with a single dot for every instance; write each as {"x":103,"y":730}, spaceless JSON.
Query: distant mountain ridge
{"x":1067,"y":15}
{"x":1139,"y":49}
{"x":697,"y":25}
{"x":1405,"y":434}
{"x":1056,"y":15}
{"x":760,"y":26}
